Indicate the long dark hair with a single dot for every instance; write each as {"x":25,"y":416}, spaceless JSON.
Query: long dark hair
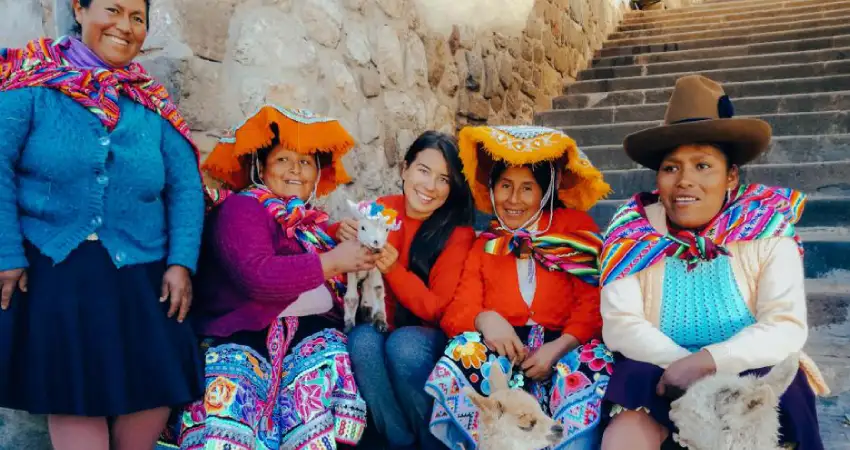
{"x":458,"y":210}
{"x":86,"y":3}
{"x":541,"y":172}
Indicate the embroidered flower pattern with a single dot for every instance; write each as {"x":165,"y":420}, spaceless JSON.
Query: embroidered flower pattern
{"x":220,"y":395}
{"x":597,"y":357}
{"x":470,"y":355}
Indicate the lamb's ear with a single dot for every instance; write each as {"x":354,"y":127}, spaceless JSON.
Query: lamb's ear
{"x":489,"y":407}
{"x":498,"y":379}
{"x":782,"y":375}
{"x":481,"y":402}
{"x":355,"y":209}
{"x":758,"y":397}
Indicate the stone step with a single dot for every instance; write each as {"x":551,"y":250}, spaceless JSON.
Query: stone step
{"x":783,"y":150}
{"x":760,"y":73}
{"x":709,"y":12}
{"x":817,"y":178}
{"x":833,"y":83}
{"x":766,"y":48}
{"x":809,"y":12}
{"x":834,"y":18}
{"x":724,"y":41}
{"x":769,"y":11}
{"x":746,"y":106}
{"x":820,"y":212}
{"x":792,"y":124}
{"x":826,"y":250}
{"x":771,"y":60}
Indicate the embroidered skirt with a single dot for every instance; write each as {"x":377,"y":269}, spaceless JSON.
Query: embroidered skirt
{"x":309,"y":402}
{"x":90,"y":339}
{"x":632,"y":387}
{"x":573,"y":396}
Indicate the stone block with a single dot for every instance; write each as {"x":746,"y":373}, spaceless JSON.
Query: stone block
{"x":577,"y":10}
{"x":415,"y":62}
{"x":323,"y":21}
{"x":341,"y":84}
{"x":437,"y":56}
{"x":393,"y":8}
{"x":388,"y":55}
{"x":20,"y":22}
{"x":207,"y":33}
{"x":357,"y":46}
{"x":19,"y":430}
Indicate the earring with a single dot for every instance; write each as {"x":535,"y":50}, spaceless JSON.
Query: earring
{"x":728,"y":194}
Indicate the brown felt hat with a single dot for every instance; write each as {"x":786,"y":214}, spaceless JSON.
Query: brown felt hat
{"x":699,"y":111}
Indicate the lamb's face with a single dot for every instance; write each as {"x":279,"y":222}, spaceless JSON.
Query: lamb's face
{"x":373,"y":233}
{"x":710,"y":409}
{"x":726,"y":412}
{"x":519,"y":418}
{"x":512,"y":418}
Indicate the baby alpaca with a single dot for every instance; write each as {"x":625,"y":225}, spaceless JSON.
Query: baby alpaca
{"x":726,"y":412}
{"x":374,"y":223}
{"x":511,"y":419}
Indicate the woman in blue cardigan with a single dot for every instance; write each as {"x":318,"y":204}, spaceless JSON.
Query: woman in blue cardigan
{"x":101,"y":210}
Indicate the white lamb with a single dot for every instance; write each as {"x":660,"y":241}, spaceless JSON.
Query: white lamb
{"x":374,"y":223}
{"x":726,"y":412}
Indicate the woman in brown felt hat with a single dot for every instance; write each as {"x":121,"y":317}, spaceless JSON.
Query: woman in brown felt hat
{"x":704,"y":275}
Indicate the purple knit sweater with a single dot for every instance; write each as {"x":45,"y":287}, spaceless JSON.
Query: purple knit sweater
{"x":249,"y":271}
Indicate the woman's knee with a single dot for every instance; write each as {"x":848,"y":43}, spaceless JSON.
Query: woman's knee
{"x":411,"y":350}
{"x":365,"y":343}
{"x":633,"y":429}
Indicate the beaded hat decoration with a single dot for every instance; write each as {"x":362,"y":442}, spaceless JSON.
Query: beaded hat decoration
{"x":580,"y":184}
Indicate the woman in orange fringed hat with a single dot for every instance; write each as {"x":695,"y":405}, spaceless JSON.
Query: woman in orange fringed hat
{"x":270,"y":292}
{"x":528,"y":293}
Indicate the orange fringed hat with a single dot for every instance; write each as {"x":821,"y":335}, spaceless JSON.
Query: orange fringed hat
{"x":580,"y":184}
{"x":299,"y":130}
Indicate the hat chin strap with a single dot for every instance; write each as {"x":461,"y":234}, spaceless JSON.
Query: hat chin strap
{"x":255,"y":164}
{"x":548,"y":199}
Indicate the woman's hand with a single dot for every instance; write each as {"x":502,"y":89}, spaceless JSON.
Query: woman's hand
{"x":347,"y":230}
{"x":500,"y":336}
{"x":387,"y":257}
{"x":347,"y":257}
{"x":177,"y":286}
{"x":9,"y":281}
{"x":538,"y":366}
{"x":683,"y":373}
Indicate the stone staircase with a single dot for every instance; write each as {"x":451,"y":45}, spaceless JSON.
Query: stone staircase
{"x":787,"y":62}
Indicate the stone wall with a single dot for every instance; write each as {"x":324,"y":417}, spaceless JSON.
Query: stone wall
{"x":371,"y":63}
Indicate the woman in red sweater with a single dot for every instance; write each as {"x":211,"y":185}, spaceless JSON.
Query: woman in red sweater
{"x":528,"y":297}
{"x":422,"y":264}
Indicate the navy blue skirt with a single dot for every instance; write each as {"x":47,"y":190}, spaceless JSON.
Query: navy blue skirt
{"x":633,"y":386}
{"x":90,"y":339}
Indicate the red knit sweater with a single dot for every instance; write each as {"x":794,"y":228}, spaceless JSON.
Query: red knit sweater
{"x":561,"y":301}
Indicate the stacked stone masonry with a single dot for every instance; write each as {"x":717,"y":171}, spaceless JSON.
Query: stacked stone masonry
{"x":371,"y":63}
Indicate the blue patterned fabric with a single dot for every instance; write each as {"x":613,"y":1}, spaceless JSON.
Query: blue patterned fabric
{"x":703,"y":306}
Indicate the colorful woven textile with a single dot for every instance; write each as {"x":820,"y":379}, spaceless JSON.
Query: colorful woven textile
{"x":317,"y":406}
{"x":41,"y":63}
{"x":753,"y":212}
{"x":304,"y":223}
{"x":573,"y":396}
{"x":575,"y":253}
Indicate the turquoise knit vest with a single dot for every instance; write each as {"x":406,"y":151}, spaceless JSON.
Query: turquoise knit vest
{"x":703,"y":306}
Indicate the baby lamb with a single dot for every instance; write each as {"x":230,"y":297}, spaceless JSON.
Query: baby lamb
{"x":511,"y":419}
{"x":374,"y":223}
{"x":726,"y":412}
